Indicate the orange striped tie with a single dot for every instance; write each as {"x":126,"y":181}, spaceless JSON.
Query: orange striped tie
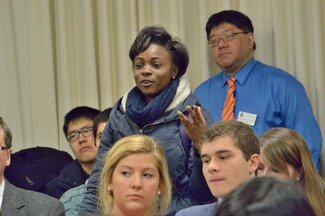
{"x":229,"y":105}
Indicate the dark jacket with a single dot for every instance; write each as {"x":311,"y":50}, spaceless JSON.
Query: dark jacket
{"x":20,"y":202}
{"x":71,"y":176}
{"x":189,"y":185}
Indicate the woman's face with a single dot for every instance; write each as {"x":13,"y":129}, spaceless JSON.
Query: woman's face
{"x":153,"y":71}
{"x":135,"y":184}
{"x":266,"y":169}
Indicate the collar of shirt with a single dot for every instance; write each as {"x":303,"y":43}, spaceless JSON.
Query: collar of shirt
{"x":242,"y":74}
{"x":2,"y":188}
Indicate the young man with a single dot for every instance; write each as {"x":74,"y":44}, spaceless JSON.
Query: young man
{"x":78,"y":129}
{"x":264,"y":96}
{"x":17,"y":201}
{"x":230,"y":156}
{"x":72,"y":198}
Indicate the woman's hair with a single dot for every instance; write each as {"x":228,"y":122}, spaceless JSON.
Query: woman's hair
{"x":283,"y":146}
{"x":159,"y":36}
{"x":126,"y":146}
{"x":266,"y":196}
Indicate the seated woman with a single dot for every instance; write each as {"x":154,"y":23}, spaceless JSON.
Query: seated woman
{"x":285,"y":155}
{"x":134,"y":178}
{"x":265,"y":196}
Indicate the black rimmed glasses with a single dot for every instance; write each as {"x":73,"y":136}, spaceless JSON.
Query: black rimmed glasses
{"x":2,"y":148}
{"x":85,"y":131}
{"x":225,"y":37}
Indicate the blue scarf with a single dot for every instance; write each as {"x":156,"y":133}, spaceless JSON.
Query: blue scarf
{"x":143,"y":113}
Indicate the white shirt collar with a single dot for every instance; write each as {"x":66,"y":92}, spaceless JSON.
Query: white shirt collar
{"x":2,"y":188}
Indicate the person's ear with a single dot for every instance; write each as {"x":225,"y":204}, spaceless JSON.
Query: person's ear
{"x":8,"y":157}
{"x":253,"y":163}
{"x":174,"y":72}
{"x":300,"y":173}
{"x":161,"y":187}
{"x":251,"y":39}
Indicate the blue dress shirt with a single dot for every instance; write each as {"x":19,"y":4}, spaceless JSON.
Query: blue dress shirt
{"x":273,"y":96}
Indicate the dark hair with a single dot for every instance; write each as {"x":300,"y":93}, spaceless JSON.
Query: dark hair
{"x":265,"y":196}
{"x":243,"y":136}
{"x":233,"y":17}
{"x":159,"y":36}
{"x":102,"y":117}
{"x":78,"y":113}
{"x":7,"y":133}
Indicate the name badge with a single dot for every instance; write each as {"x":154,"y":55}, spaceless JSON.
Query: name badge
{"x":247,"y":118}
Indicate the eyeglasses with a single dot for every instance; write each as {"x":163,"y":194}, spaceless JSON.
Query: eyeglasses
{"x":225,"y":37}
{"x":2,"y":148}
{"x":85,"y":131}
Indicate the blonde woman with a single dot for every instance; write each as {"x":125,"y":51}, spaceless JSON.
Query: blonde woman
{"x":134,"y":179}
{"x":285,"y":155}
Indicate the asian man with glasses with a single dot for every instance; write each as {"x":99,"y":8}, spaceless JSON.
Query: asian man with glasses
{"x":249,"y":91}
{"x":78,"y":130}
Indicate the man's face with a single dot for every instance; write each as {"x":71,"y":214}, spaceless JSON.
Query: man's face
{"x":231,"y":55}
{"x":83,"y":147}
{"x":100,"y":129}
{"x":4,"y":156}
{"x":224,"y":165}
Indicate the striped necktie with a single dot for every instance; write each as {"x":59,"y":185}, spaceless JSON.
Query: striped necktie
{"x":229,"y":105}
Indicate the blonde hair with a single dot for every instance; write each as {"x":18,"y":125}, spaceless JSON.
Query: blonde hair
{"x":283,"y":146}
{"x":133,"y":145}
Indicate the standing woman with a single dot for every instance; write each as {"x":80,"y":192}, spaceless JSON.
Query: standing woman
{"x":152,"y":108}
{"x":285,"y":155}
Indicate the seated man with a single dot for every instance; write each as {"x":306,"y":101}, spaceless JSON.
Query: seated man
{"x":17,"y":201}
{"x":78,"y":129}
{"x":72,"y":198}
{"x":230,"y":155}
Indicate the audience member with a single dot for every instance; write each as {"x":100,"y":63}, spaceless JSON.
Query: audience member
{"x":261,"y":95}
{"x":78,"y":129}
{"x":265,"y":196}
{"x":285,"y":155}
{"x":72,"y":198}
{"x":134,"y":178}
{"x":17,"y":201}
{"x":230,"y":155}
{"x":159,"y":63}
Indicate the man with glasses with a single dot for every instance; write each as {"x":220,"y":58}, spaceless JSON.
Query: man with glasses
{"x":17,"y":201}
{"x":259,"y":95}
{"x":78,"y":129}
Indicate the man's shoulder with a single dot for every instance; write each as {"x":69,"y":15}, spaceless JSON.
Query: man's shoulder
{"x":271,"y":71}
{"x":208,"y":209}
{"x":22,"y":197}
{"x":73,"y":170}
{"x":214,"y":79}
{"x":74,"y":193}
{"x":212,"y":82}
